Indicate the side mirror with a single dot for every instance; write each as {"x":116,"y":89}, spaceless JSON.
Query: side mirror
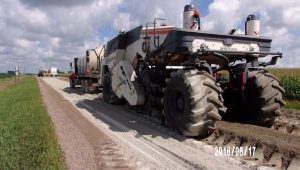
{"x":87,"y":53}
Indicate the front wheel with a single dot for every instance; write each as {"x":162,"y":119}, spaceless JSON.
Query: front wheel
{"x":192,"y":102}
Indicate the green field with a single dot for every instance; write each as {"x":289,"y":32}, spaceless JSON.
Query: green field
{"x":27,"y":139}
{"x":284,"y":72}
{"x":290,"y":80}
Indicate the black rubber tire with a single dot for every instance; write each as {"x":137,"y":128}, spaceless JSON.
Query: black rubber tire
{"x":264,"y":97}
{"x":108,"y":94}
{"x":200,"y":99}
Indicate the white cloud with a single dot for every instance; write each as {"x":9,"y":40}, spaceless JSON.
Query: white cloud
{"x":123,"y":21}
{"x":291,"y":17}
{"x":141,"y":12}
{"x":44,"y":33}
{"x":222,"y":16}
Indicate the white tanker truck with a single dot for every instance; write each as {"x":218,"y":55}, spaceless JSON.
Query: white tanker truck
{"x":170,"y":73}
{"x":86,"y":70}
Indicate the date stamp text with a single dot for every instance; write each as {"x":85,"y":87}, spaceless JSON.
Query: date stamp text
{"x":235,"y":151}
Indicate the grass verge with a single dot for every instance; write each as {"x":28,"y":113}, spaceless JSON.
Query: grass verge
{"x":293,"y":105}
{"x":27,"y":138}
{"x":9,"y":82}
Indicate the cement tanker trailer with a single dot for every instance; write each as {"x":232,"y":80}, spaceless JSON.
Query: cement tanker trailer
{"x":170,"y":73}
{"x":86,"y":70}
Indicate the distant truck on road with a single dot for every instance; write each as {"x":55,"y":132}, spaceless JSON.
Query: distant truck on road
{"x":43,"y":73}
{"x":86,"y":70}
{"x":52,"y":72}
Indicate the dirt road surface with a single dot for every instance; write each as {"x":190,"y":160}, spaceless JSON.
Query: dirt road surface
{"x":97,"y":135}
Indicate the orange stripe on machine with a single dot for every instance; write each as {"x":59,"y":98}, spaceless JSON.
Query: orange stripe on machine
{"x":157,"y":31}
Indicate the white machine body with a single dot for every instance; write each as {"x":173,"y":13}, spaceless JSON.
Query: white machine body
{"x":220,"y":45}
{"x":121,"y":62}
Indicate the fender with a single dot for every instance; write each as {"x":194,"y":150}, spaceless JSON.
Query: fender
{"x":124,"y":84}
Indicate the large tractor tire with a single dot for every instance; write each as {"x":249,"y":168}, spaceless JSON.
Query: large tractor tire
{"x":264,"y":97}
{"x":108,"y":94}
{"x":192,"y":102}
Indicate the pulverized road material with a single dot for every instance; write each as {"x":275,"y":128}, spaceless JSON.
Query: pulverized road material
{"x":136,"y":141}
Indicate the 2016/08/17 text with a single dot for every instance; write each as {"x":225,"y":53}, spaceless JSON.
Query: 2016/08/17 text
{"x":235,"y":151}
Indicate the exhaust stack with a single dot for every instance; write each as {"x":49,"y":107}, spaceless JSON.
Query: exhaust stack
{"x":191,"y":17}
{"x":252,"y":25}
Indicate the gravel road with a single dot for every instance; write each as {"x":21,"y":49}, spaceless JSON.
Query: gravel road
{"x":96,"y":135}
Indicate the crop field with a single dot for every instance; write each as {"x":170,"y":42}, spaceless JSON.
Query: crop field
{"x":27,"y":139}
{"x":290,"y":80}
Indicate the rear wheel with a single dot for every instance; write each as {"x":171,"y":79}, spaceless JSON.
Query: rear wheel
{"x":192,"y":102}
{"x":264,"y":97}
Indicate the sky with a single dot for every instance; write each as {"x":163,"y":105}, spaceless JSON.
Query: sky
{"x":36,"y":34}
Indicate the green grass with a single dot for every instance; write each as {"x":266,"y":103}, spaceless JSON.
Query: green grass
{"x":293,"y":105}
{"x":290,"y":80}
{"x":291,"y":85}
{"x":27,"y":139}
{"x":10,"y":81}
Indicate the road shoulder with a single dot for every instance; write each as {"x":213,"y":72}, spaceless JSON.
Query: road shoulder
{"x":83,"y":144}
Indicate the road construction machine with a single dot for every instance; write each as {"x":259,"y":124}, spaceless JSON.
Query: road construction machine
{"x":86,"y":70}
{"x":173,"y":74}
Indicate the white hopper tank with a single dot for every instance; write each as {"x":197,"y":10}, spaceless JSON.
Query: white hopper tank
{"x":88,"y":64}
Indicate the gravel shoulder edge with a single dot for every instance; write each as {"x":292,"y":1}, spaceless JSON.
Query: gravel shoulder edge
{"x":81,"y":141}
